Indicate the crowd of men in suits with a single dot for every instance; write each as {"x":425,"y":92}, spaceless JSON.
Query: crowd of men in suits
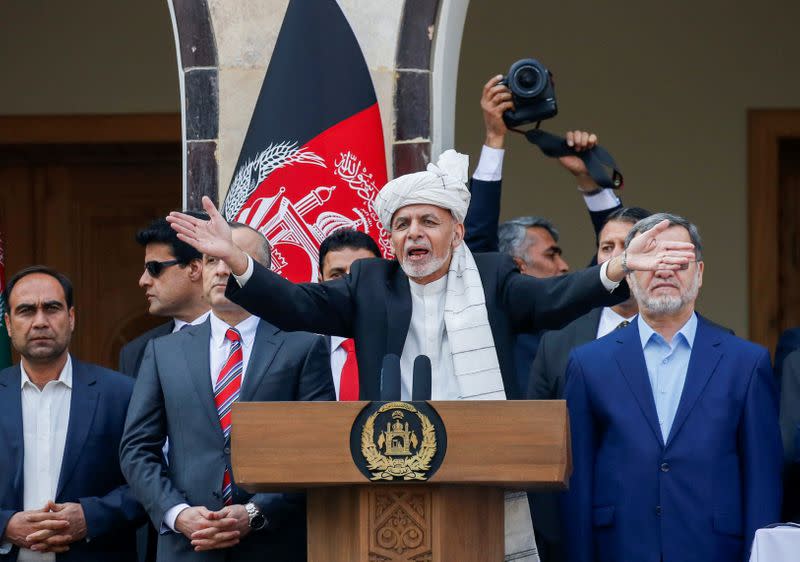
{"x":677,"y":447}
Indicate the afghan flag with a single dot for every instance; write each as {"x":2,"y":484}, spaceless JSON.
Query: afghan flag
{"x":5,"y":343}
{"x":313,"y":158}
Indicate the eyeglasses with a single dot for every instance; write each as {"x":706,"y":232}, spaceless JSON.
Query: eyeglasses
{"x":155,"y":268}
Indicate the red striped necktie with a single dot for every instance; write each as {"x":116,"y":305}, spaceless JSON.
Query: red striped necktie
{"x":348,"y":383}
{"x":226,"y":392}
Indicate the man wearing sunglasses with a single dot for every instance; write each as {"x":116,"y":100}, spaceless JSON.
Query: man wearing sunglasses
{"x":186,"y":386}
{"x":173,"y":283}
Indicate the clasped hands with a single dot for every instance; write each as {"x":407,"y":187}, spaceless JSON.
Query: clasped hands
{"x":50,"y":529}
{"x":209,"y":530}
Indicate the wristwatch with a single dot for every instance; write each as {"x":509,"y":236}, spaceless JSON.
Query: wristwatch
{"x":257,"y":519}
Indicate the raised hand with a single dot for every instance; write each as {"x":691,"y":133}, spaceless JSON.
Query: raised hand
{"x":495,"y":100}
{"x":212,"y":237}
{"x":647,"y":252}
{"x":580,"y":141}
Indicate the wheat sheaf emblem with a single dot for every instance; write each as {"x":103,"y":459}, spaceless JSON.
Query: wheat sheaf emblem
{"x":398,"y":453}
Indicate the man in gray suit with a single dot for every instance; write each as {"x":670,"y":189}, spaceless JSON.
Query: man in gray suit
{"x":186,"y":384}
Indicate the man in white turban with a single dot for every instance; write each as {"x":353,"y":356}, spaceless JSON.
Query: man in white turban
{"x":437,"y":299}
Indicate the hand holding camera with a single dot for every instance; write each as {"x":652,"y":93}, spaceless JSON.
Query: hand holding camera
{"x":495,"y":101}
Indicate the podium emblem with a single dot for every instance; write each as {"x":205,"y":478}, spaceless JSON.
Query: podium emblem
{"x":398,"y":441}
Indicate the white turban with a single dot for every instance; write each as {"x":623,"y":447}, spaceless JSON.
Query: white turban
{"x":442,"y":184}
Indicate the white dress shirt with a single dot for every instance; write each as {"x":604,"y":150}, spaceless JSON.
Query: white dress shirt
{"x":181,"y":323}
{"x":338,"y":358}
{"x":427,"y":335}
{"x":45,"y":418}
{"x":609,"y":320}
{"x":219,"y":349}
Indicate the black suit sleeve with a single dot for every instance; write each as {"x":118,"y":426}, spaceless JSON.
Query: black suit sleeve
{"x":790,"y":407}
{"x":540,"y":386}
{"x":788,"y":342}
{"x":599,"y":219}
{"x":483,"y":216}
{"x":550,"y":304}
{"x":127,"y":357}
{"x":323,"y":308}
{"x":316,"y":381}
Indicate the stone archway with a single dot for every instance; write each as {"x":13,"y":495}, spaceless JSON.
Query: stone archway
{"x":199,"y":76}
{"x":423,"y":101}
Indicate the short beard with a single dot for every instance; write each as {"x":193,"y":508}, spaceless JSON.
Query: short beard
{"x":417,"y":271}
{"x":665,"y":305}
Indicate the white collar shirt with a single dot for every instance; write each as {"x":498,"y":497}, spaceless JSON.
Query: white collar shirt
{"x":220,"y":346}
{"x":338,"y":358}
{"x":45,"y":418}
{"x":427,"y":335}
{"x":609,"y":321}
{"x":178,"y":324}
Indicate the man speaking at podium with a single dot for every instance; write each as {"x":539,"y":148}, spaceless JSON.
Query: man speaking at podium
{"x":436,"y":299}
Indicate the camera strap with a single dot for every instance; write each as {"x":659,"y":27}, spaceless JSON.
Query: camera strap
{"x":597,"y":159}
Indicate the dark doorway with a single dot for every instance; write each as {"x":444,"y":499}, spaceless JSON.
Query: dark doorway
{"x":76,"y":207}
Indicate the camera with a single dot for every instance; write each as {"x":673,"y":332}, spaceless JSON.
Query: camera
{"x":533,"y":93}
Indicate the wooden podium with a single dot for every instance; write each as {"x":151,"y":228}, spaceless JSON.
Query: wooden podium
{"x":455,"y":516}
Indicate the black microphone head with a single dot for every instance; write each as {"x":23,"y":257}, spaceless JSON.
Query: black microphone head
{"x":422,"y":378}
{"x":390,"y":378}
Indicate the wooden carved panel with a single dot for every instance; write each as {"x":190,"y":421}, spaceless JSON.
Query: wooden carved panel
{"x":400,"y":525}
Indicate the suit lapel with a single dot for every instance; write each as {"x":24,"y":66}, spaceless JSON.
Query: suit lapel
{"x":196,"y":355}
{"x":265,"y":347}
{"x":630,"y":359}
{"x":83,"y":404}
{"x":11,"y":425}
{"x":703,"y":362}
{"x":586,"y":327}
{"x":398,"y":312}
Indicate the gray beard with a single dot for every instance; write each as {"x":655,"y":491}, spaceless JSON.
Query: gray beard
{"x":423,"y":270}
{"x":665,"y":304}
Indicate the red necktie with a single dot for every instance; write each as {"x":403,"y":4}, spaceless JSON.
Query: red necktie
{"x":226,"y":392}
{"x":348,"y":384}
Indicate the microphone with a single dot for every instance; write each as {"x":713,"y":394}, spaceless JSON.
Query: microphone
{"x":390,"y":378}
{"x":422,"y":378}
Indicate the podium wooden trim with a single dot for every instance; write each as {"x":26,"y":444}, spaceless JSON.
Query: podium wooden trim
{"x":457,"y":514}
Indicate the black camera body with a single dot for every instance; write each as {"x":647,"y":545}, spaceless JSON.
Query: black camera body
{"x":533,"y":93}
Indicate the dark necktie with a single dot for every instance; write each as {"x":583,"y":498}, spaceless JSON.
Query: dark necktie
{"x":622,"y":324}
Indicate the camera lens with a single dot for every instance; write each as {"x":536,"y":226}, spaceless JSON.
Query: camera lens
{"x":527,"y":78}
{"x":528,"y":81}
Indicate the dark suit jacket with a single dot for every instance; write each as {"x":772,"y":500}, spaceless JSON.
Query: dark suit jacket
{"x":788,"y":342}
{"x":173,"y":398}
{"x":373,"y":305}
{"x":701,"y":495}
{"x":483,"y":217}
{"x":90,"y":471}
{"x":790,"y":431}
{"x":480,"y":226}
{"x":130,"y":356}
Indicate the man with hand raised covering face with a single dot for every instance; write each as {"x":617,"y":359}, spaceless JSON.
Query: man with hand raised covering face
{"x":674,"y":423}
{"x":436,"y":298}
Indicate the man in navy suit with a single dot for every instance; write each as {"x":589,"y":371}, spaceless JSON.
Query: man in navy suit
{"x":62,"y":493}
{"x":676,"y":446}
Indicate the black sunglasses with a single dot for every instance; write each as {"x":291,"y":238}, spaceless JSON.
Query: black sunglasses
{"x":154,"y":268}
